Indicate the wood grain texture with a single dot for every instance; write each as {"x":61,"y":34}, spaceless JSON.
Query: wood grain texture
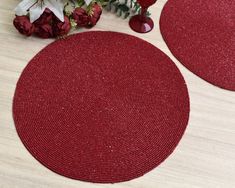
{"x":205,"y":157}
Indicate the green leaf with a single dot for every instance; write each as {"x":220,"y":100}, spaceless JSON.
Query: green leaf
{"x":123,"y":10}
{"x":79,"y":3}
{"x":123,"y":7}
{"x":119,"y":13}
{"x":126,"y":15}
{"x":116,"y":7}
{"x":112,"y":1}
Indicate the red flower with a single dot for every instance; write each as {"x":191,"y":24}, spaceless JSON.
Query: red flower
{"x":23,"y":25}
{"x":43,"y":25}
{"x":95,"y":14}
{"x":45,"y":18}
{"x":97,"y":10}
{"x":44,"y":31}
{"x":61,"y":28}
{"x":81,"y":17}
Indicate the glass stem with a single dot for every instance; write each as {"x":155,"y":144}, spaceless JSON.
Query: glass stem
{"x":143,"y":13}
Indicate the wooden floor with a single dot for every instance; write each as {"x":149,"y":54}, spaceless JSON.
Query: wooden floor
{"x":205,"y":157}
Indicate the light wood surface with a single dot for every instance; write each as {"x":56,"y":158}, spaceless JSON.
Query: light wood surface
{"x":205,"y":157}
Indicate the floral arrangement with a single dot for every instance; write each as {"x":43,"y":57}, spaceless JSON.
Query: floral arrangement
{"x":55,"y":18}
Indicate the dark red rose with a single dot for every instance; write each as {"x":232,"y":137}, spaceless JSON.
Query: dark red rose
{"x":45,"y":18}
{"x":81,"y":17}
{"x":97,"y":9}
{"x":93,"y":20}
{"x":61,"y":28}
{"x":23,"y":25}
{"x":95,"y":14}
{"x":44,"y":31}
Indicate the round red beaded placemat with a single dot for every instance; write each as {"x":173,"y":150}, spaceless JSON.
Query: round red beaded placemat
{"x":101,"y":107}
{"x":201,"y":34}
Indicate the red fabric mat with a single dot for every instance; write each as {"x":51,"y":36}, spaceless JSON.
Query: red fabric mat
{"x":201,"y":34}
{"x":101,"y":107}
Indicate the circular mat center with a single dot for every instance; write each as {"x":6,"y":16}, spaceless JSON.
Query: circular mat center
{"x":101,"y":107}
{"x":201,"y":34}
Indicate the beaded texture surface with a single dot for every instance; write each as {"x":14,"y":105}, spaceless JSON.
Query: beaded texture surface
{"x":101,"y":107}
{"x":201,"y":35}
